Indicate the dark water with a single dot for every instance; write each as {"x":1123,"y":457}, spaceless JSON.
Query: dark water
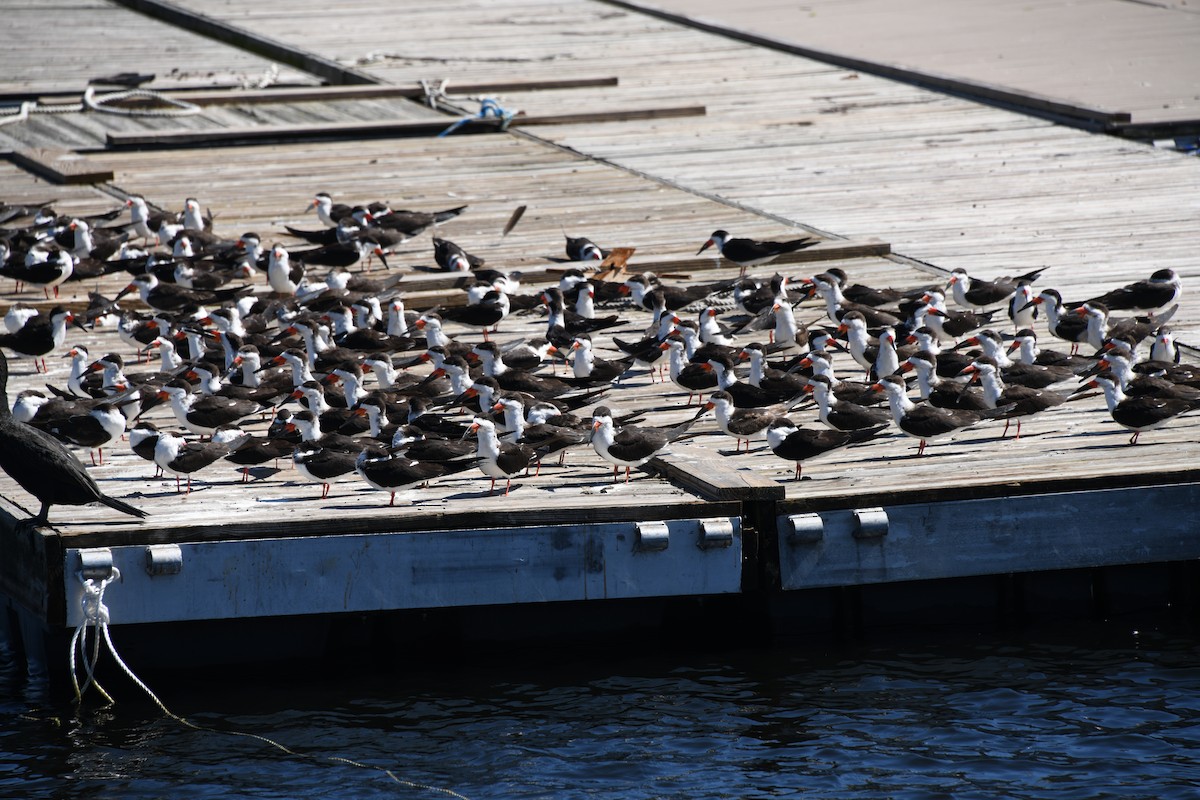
{"x":1066,"y":715}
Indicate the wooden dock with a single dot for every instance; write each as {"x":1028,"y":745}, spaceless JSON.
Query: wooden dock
{"x":899,"y":184}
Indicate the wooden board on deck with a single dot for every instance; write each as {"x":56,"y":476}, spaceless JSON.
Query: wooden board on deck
{"x":60,"y":166}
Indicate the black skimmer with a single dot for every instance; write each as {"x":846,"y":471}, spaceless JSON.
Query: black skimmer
{"x":938,"y":392}
{"x":1161,"y":290}
{"x":563,"y":325}
{"x":843,"y":415}
{"x":642,"y":290}
{"x":580,"y":248}
{"x":949,"y":362}
{"x":1022,"y":401}
{"x":868,"y":295}
{"x":322,"y":464}
{"x":744,"y":395}
{"x":1035,"y":376}
{"x":452,"y":258}
{"x":47,"y":273}
{"x":180,"y":457}
{"x":1119,"y":362}
{"x":590,"y":370}
{"x":392,"y":472}
{"x":1021,"y":309}
{"x":750,"y":252}
{"x":143,"y":436}
{"x":99,"y":427}
{"x":820,"y":362}
{"x":631,"y":446}
{"x":1101,"y":326}
{"x":922,"y":421}
{"x":773,"y":381}
{"x":793,"y":443}
{"x":45,"y":468}
{"x":408,"y":222}
{"x":545,"y":438}
{"x":283,"y":276}
{"x":1137,"y":414}
{"x":743,"y":424}
{"x":167,"y":297}
{"x":837,"y":306}
{"x":1070,"y":327}
{"x":692,"y":378}
{"x":499,"y":459}
{"x":252,"y":451}
{"x":487,"y":313}
{"x":516,"y":380}
{"x":1164,"y":349}
{"x":1025,"y":345}
{"x":144,"y":223}
{"x":40,"y":335}
{"x":952,"y":323}
{"x":973,"y":293}
{"x":203,"y":414}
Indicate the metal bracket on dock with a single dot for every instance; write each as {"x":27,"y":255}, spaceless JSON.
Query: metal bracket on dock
{"x":806,"y":528}
{"x":652,"y":536}
{"x":96,"y":563}
{"x":164,"y":559}
{"x":870,"y":523}
{"x":715,"y":533}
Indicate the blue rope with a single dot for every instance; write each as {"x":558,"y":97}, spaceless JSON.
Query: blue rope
{"x":487,"y":108}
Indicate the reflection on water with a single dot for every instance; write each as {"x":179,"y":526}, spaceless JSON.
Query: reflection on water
{"x":991,"y":718}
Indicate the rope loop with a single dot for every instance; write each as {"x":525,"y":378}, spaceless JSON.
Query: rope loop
{"x":179,"y":108}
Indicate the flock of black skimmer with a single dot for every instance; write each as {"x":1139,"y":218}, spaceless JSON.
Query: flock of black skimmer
{"x":233,"y":332}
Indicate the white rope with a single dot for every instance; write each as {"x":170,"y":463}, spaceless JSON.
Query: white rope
{"x":100,"y":103}
{"x":181,"y":108}
{"x":95,"y":615}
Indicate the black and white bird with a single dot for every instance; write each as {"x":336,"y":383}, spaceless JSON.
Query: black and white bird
{"x":44,"y":467}
{"x":793,"y":443}
{"x":1142,"y":413}
{"x":750,"y":252}
{"x":921,"y":420}
{"x":631,"y":446}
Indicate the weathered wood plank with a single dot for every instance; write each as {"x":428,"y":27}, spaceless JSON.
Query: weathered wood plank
{"x":328,"y":93}
{"x":60,"y":166}
{"x":712,"y":477}
{"x":274,"y":133}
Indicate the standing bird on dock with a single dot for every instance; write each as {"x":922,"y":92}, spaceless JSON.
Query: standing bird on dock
{"x":1023,"y":401}
{"x":972,"y":293}
{"x":631,"y":446}
{"x":499,"y":459}
{"x":40,"y":335}
{"x":749,"y":252}
{"x":322,"y":464}
{"x":391,"y":472}
{"x":44,"y":467}
{"x":796,"y":444}
{"x":1161,"y":290}
{"x":180,"y":457}
{"x":743,"y":424}
{"x":922,"y":421}
{"x":1141,"y":413}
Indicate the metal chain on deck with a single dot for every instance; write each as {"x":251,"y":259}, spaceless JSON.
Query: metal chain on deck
{"x":95,"y":615}
{"x":93,"y":102}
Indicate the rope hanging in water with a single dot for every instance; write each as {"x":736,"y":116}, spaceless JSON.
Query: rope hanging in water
{"x":95,"y":615}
